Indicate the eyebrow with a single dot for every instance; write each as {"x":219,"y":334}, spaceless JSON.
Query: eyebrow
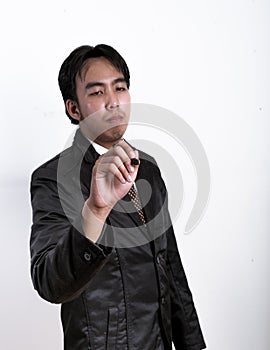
{"x":97,"y":83}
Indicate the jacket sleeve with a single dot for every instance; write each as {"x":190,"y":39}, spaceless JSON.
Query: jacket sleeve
{"x":63,"y":260}
{"x":186,"y":330}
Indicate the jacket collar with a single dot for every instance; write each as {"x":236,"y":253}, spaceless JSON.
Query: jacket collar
{"x":86,"y":148}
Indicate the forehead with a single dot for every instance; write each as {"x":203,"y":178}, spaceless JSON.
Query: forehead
{"x":98,"y":69}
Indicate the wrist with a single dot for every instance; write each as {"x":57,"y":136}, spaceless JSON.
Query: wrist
{"x":92,"y":222}
{"x":100,"y":213}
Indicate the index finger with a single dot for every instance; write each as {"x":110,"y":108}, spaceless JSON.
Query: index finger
{"x":130,"y":150}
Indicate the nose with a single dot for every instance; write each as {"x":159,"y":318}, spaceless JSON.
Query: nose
{"x":112,"y":101}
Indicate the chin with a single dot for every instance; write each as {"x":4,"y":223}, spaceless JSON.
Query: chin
{"x":116,"y":133}
{"x":111,"y":136}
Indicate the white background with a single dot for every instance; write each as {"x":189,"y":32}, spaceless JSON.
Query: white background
{"x":207,"y":61}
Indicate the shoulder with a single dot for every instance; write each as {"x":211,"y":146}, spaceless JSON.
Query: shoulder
{"x":147,"y":157}
{"x":70,"y":158}
{"x":148,"y":161}
{"x":50,"y":167}
{"x":149,"y":168}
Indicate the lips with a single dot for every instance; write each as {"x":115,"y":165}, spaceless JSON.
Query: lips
{"x":115,"y":119}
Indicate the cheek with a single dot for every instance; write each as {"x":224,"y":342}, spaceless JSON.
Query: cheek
{"x":94,"y":107}
{"x":125,"y":98}
{"x":125,"y":107}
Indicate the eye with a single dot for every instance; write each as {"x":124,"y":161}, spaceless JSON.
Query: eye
{"x":96,"y":93}
{"x":121,"y":87}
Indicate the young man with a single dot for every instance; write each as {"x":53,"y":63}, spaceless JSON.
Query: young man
{"x":113,"y":265}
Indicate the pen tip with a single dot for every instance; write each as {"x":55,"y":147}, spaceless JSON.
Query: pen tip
{"x":134,"y":161}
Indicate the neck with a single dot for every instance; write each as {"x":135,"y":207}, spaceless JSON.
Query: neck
{"x":107,"y":145}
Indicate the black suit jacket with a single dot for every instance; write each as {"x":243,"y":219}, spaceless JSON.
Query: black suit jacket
{"x":130,"y":286}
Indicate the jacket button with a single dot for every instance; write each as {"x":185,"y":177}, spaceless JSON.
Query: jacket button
{"x":163,"y":300}
{"x":87,"y":256}
{"x":158,"y":259}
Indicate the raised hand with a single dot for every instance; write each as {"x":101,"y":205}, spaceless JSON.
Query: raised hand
{"x":112,"y":177}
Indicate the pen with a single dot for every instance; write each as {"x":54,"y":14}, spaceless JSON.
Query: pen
{"x":134,"y":161}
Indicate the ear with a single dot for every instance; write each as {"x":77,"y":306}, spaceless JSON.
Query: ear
{"x":73,"y":110}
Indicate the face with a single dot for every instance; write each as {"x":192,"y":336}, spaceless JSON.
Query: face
{"x":103,"y":106}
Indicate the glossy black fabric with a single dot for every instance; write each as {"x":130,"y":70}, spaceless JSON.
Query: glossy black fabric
{"x":112,"y":297}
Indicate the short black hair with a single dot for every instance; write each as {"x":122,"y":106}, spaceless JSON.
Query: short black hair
{"x":73,"y":64}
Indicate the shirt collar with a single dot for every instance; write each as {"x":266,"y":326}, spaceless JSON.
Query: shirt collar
{"x":99,"y":149}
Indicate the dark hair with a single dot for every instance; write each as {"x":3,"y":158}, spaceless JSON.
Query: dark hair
{"x":73,"y":64}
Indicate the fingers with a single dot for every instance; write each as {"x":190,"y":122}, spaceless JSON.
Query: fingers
{"x":114,"y":165}
{"x":126,"y":154}
{"x":130,"y":150}
{"x":122,"y":160}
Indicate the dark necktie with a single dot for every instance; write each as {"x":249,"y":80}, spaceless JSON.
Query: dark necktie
{"x":133,"y":194}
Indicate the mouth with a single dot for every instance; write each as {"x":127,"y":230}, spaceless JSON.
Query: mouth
{"x":115,"y":119}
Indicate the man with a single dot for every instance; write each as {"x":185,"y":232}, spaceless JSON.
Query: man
{"x":113,"y":265}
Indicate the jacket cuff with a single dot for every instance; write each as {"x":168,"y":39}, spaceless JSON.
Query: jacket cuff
{"x":98,"y":248}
